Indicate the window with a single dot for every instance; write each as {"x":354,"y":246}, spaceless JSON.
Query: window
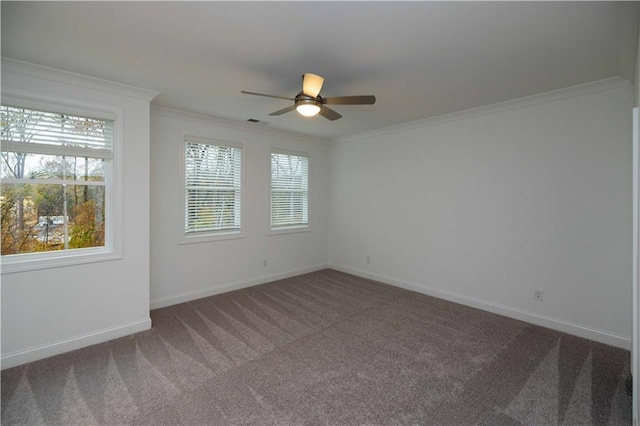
{"x":56,"y":185}
{"x":289,"y":191}
{"x":212,"y":190}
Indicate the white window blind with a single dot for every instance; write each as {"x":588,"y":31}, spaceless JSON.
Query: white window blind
{"x":39,"y":132}
{"x":212,"y":187}
{"x":289,"y":190}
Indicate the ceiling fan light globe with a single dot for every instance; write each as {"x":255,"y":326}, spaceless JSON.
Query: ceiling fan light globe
{"x":308,"y":110}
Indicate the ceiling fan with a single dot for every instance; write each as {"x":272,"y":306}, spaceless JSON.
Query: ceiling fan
{"x":309,"y":102}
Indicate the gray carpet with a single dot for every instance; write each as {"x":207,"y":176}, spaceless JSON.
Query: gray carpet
{"x":326,"y":348}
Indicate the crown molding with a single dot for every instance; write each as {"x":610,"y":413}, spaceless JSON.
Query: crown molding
{"x":234,"y":125}
{"x":14,"y":66}
{"x":527,"y":101}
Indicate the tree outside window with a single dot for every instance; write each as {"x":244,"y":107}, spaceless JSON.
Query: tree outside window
{"x":54,"y":186}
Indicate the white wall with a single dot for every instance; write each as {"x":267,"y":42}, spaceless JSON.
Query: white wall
{"x":636,"y":76}
{"x":485,"y":206}
{"x":46,"y":312}
{"x":635,"y":350}
{"x":185,"y":272}
{"x":636,"y":221}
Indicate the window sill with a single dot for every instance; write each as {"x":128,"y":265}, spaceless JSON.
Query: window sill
{"x":205,"y":238}
{"x":289,"y":230}
{"x":34,"y":261}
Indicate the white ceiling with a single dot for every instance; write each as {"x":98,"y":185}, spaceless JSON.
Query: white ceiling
{"x":420,"y":59}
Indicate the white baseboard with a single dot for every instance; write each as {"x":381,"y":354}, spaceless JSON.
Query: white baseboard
{"x":50,"y":349}
{"x":579,"y":330}
{"x":163,"y":302}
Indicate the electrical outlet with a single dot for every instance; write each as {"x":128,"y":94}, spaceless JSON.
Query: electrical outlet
{"x":264,"y":263}
{"x":538,"y":295}
{"x":368,"y":259}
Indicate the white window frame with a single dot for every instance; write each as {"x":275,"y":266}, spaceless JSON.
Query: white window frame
{"x":112,"y":250}
{"x":183,"y":237}
{"x":293,"y":228}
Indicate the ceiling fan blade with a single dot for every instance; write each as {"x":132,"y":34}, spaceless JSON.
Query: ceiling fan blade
{"x":284,"y":110}
{"x":350,"y":100}
{"x":329,"y":113}
{"x":311,"y":84}
{"x":268,"y":96}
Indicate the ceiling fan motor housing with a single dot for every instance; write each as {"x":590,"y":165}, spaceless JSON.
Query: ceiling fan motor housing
{"x":302,"y":99}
